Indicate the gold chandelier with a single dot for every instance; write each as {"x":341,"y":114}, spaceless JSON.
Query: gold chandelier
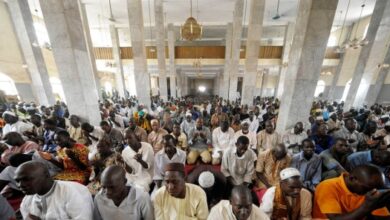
{"x":191,"y":30}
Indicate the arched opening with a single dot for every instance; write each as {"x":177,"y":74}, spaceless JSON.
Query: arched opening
{"x":56,"y":86}
{"x":346,"y":90}
{"x":320,"y":88}
{"x":7,"y":85}
{"x":108,"y":88}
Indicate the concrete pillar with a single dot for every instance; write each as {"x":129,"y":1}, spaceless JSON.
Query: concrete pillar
{"x":172,"y":67}
{"x":87,"y":34}
{"x":236,"y":46}
{"x":25,"y":91}
{"x":312,"y":30}
{"x":347,"y":56}
{"x":185,"y":85}
{"x":141,"y":74}
{"x":371,"y":55}
{"x":64,"y":25}
{"x":116,"y":52}
{"x":24,"y":28}
{"x":375,"y":89}
{"x":288,"y":37}
{"x":160,"y":45}
{"x":224,"y":87}
{"x":179,"y":85}
{"x":252,"y":51}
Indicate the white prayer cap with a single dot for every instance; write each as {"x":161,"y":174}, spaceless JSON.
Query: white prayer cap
{"x":245,"y":122}
{"x":332,"y":113}
{"x":387,"y":123}
{"x":188,"y":114}
{"x":206,"y":179}
{"x":9,"y":113}
{"x":319,"y":118}
{"x":288,"y":173}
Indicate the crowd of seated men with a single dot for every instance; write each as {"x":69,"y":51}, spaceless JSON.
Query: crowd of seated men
{"x":194,"y":158}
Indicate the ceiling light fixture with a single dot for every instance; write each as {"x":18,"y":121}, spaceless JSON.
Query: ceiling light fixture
{"x":191,"y":30}
{"x":357,"y":43}
{"x":342,"y":47}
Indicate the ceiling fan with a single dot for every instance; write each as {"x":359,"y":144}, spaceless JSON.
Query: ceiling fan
{"x":277,"y":15}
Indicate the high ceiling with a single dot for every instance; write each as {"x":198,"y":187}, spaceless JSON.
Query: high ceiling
{"x":208,"y":12}
{"x":212,"y":12}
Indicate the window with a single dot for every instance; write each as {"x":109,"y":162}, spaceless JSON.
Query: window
{"x":346,"y":90}
{"x":7,"y":85}
{"x":320,"y":88}
{"x":108,"y":87}
{"x":332,"y":41}
{"x":365,"y":31}
{"x":42,"y":35}
{"x":56,"y":86}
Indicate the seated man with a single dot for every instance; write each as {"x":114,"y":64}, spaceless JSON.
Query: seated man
{"x":269,"y":164}
{"x":92,"y":135}
{"x":139,"y":132}
{"x":72,"y":157}
{"x":188,"y":124}
{"x":349,"y":133}
{"x":140,"y":159}
{"x":156,"y":136}
{"x":12,"y":123}
{"x":212,"y":181}
{"x":322,"y":140}
{"x":309,"y":164}
{"x":180,"y":137}
{"x":239,"y":207}
{"x":267,"y":138}
{"x":249,"y":134}
{"x":334,"y":159}
{"x":288,"y":200}
{"x":50,"y":126}
{"x":223,"y":139}
{"x":356,"y":195}
{"x":379,"y":158}
{"x":49,"y":199}
{"x":169,"y":154}
{"x":178,"y":199}
{"x":238,"y":163}
{"x":114,"y":134}
{"x":293,"y":138}
{"x":104,"y":157}
{"x":75,"y":130}
{"x":17,"y":145}
{"x":120,"y":201}
{"x":199,"y":140}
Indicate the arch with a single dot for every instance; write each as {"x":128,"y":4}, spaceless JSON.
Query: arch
{"x":57,"y":89}
{"x":7,"y":85}
{"x":320,"y":88}
{"x":346,"y":90}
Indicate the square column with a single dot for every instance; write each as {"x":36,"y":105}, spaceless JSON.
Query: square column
{"x":235,"y":49}
{"x":312,"y":30}
{"x":64,"y":25}
{"x":116,"y":52}
{"x":141,"y":74}
{"x":172,"y":67}
{"x":25,"y":31}
{"x":288,"y":37}
{"x":252,"y":51}
{"x":160,"y":45}
{"x":224,"y":86}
